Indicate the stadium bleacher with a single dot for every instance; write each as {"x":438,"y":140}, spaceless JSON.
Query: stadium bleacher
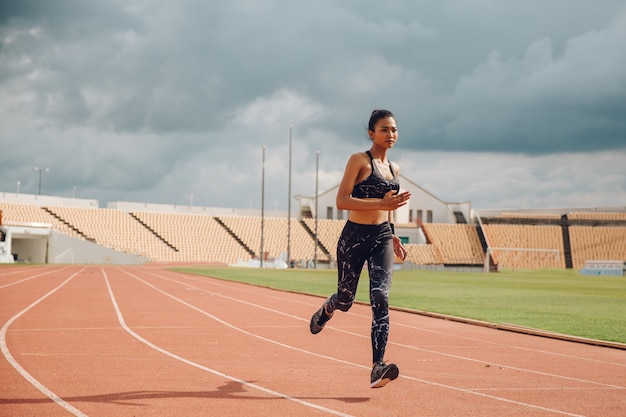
{"x":597,"y":243}
{"x":529,"y":240}
{"x":516,"y":240}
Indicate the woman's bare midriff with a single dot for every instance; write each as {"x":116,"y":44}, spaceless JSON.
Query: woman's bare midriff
{"x":369,"y":216}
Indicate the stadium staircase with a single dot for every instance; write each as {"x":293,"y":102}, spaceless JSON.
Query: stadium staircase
{"x":311,"y":233}
{"x":68,"y":224}
{"x":483,"y":243}
{"x":234,"y":235}
{"x":161,"y":238}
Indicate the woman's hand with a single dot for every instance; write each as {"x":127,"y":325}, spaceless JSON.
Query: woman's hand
{"x":392,"y":201}
{"x":398,"y":248}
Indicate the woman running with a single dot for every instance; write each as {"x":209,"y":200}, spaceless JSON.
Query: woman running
{"x":370,"y":190}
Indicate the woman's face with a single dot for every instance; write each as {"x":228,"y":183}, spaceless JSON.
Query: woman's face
{"x":385,"y":132}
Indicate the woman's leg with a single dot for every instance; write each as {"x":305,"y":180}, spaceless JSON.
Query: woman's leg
{"x":352,"y":251}
{"x":380,"y":267}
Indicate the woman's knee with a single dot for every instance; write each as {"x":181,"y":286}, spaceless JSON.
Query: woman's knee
{"x":379,"y":298}
{"x":344,"y":302}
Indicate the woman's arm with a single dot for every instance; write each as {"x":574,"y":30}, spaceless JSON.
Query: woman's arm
{"x":398,"y":247}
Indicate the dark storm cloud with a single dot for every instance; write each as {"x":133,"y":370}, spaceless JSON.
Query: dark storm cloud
{"x":178,"y":66}
{"x":153,"y":99}
{"x":543,"y":101}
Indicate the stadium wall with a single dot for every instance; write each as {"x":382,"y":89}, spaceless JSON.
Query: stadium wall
{"x":27,"y":243}
{"x":207,"y":211}
{"x":535,"y":213}
{"x":47,"y":200}
{"x":41,"y":244}
{"x":63,"y":249}
{"x":5,"y":250}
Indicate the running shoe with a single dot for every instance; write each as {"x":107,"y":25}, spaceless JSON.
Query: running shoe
{"x":382,"y":374}
{"x":319,"y":319}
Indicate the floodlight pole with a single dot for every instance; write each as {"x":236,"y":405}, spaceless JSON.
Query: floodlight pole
{"x":40,"y":170}
{"x":317,"y":168}
{"x":289,"y":203}
{"x":262,"y":203}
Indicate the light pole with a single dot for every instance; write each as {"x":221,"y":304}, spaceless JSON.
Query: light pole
{"x":289,"y":204}
{"x":40,"y":170}
{"x":317,"y":168}
{"x":262,"y":205}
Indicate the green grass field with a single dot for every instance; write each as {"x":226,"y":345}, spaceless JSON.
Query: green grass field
{"x":560,"y":301}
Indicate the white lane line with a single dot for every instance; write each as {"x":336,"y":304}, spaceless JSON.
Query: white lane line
{"x":495,"y":364}
{"x":499,"y":344}
{"x":411,"y":347}
{"x":29,"y":278}
{"x":9,"y":357}
{"x":436,"y":384}
{"x":224,"y":283}
{"x":120,"y":318}
{"x":18,"y":270}
{"x":83,"y":329}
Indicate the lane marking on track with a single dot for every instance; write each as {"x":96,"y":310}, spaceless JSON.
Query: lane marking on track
{"x":498,"y":344}
{"x":556,"y":388}
{"x":244,"y":287}
{"x":29,"y":278}
{"x":82,"y":329}
{"x":17,"y":270}
{"x":224,"y":283}
{"x":27,"y":376}
{"x":514,"y":368}
{"x":436,"y":384}
{"x":120,"y":318}
{"x":411,"y":347}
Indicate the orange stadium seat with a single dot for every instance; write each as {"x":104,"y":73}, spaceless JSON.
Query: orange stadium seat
{"x":201,"y":238}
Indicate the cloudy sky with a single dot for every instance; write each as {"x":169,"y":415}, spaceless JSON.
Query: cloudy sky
{"x":505,"y":103}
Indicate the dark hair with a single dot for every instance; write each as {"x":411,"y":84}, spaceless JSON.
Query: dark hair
{"x":377,"y":115}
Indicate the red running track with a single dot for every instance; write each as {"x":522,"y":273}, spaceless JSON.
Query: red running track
{"x":144,"y":341}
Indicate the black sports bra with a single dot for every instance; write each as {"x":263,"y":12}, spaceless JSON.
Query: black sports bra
{"x":376,"y":186}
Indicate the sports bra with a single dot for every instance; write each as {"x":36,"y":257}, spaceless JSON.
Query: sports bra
{"x":376,"y":186}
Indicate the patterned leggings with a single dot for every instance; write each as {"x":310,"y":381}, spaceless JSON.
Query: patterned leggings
{"x":372,"y":243}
